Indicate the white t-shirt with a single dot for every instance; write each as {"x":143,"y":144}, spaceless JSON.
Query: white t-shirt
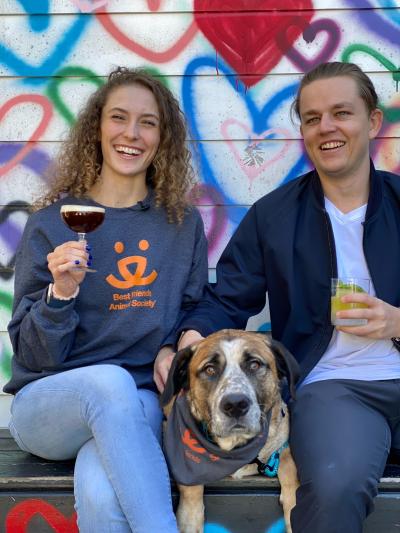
{"x":349,"y":356}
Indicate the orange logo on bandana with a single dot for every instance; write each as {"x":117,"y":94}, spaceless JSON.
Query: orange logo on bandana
{"x":137,"y":278}
{"x":190,"y":440}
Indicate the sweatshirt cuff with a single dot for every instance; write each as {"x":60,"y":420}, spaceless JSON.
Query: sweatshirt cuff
{"x":59,"y":312}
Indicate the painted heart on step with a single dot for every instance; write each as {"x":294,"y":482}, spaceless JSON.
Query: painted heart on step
{"x":18,"y":518}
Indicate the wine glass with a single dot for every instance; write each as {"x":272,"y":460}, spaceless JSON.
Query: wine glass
{"x":82,"y":219}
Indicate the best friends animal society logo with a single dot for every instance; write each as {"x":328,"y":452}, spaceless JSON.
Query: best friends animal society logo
{"x":131,"y":280}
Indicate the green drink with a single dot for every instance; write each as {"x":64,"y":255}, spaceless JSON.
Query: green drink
{"x":340,"y":287}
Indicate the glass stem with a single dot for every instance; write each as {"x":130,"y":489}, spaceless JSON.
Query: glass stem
{"x":81,"y":237}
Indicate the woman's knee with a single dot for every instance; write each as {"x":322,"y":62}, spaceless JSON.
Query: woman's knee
{"x":109,"y":388}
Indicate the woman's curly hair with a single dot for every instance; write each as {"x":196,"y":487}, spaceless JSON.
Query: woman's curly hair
{"x":80,"y":159}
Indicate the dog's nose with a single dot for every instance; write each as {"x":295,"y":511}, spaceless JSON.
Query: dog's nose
{"x":235,"y":405}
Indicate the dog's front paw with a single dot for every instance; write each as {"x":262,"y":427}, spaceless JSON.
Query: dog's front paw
{"x":190,"y":513}
{"x":190,"y":520}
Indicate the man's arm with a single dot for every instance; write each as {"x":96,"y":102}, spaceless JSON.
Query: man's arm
{"x":240,"y":290}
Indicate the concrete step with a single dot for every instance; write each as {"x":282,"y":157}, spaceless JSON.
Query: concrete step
{"x":36,"y":496}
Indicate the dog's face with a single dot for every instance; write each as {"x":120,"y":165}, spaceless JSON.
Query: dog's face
{"x":232,"y":379}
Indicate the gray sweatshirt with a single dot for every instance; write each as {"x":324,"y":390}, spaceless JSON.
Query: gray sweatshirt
{"x":148,"y":272}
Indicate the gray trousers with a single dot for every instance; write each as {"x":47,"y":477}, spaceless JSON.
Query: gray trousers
{"x":341,"y":434}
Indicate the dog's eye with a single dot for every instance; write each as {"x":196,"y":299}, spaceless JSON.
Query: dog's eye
{"x":254,"y":365}
{"x":209,"y":370}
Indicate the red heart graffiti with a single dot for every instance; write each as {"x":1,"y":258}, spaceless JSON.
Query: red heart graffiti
{"x":151,"y":55}
{"x":154,"y":5}
{"x":29,"y":145}
{"x":245,"y":32}
{"x":19,"y":517}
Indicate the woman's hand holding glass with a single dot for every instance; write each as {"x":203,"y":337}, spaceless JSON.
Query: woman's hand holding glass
{"x":62,"y":263}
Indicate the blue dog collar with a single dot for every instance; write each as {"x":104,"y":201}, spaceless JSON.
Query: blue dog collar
{"x":270,"y":468}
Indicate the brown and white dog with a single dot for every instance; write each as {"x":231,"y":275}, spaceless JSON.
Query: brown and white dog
{"x":232,"y":382}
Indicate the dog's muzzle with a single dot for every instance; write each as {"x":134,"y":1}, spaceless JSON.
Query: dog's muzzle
{"x":235,"y":405}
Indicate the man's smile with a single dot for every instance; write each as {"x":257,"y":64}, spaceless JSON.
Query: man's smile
{"x":331,"y":145}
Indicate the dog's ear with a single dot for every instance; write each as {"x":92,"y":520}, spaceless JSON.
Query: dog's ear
{"x":178,"y":374}
{"x":286,"y":364}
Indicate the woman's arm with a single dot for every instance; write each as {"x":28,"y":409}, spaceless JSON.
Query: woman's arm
{"x":42,"y":331}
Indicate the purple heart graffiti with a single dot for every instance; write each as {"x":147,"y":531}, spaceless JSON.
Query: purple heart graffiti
{"x":310,"y":31}
{"x":10,"y":233}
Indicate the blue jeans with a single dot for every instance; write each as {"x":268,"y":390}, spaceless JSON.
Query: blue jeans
{"x":97,"y":415}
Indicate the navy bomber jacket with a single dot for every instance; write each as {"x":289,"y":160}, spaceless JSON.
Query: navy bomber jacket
{"x":285,"y":247}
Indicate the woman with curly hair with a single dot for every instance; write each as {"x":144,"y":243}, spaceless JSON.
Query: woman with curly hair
{"x":90,"y":348}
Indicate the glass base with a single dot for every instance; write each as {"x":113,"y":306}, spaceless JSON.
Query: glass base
{"x":84,"y":269}
{"x":350,"y":322}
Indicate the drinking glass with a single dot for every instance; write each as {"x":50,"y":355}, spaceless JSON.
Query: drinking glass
{"x":82,"y":219}
{"x":340,"y":287}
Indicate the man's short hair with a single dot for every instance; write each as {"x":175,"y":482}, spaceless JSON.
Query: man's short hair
{"x":333,"y":69}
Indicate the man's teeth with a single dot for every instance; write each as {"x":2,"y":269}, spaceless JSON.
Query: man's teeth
{"x":128,"y":150}
{"x":329,"y":146}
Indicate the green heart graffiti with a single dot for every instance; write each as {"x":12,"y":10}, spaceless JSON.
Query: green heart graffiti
{"x":76,"y":73}
{"x":6,"y":302}
{"x":392,"y":114}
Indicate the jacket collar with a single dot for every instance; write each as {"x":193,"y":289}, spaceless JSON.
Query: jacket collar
{"x":375,"y":191}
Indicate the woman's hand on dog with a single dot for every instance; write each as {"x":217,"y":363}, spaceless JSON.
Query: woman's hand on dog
{"x":162,"y":364}
{"x":189,"y":337}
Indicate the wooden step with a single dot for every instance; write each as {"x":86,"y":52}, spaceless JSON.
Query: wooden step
{"x":36,"y":496}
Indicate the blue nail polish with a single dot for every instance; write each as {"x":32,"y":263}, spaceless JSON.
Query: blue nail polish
{"x":89,"y":263}
{"x":77,"y":262}
{"x":90,"y":257}
{"x":88,"y":247}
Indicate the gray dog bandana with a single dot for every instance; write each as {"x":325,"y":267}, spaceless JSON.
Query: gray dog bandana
{"x":193,"y":459}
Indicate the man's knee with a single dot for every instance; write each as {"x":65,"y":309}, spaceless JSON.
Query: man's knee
{"x":334,"y":487}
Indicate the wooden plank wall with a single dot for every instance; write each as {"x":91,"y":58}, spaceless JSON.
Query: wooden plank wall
{"x":233,"y":64}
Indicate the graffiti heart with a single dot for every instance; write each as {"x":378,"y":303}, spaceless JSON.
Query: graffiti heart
{"x":248,"y":42}
{"x":46,"y":106}
{"x":253,"y":171}
{"x":129,"y":43}
{"x":260,"y":122}
{"x":374,"y":21}
{"x":310,"y":31}
{"x":391,"y":114}
{"x":87,"y":6}
{"x":68,"y":74}
{"x":154,"y":5}
{"x":213,"y":212}
{"x":10,"y":233}
{"x":59,"y":53}
{"x":36,"y":160}
{"x":18,"y":518}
